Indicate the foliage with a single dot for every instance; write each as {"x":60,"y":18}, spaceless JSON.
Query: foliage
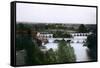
{"x":21,"y":26}
{"x":55,"y":26}
{"x":91,"y":43}
{"x":31,"y":45}
{"x":82,"y":29}
{"x":65,"y":52}
{"x":60,"y":34}
{"x":25,"y":41}
{"x":51,"y":56}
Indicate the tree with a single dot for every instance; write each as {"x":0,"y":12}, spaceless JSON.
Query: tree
{"x":65,"y":52}
{"x":91,"y":43}
{"x":82,"y":29}
{"x":59,"y":34}
{"x":24,"y":41}
{"x":51,"y":56}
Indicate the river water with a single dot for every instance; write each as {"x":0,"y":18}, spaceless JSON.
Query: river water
{"x":80,"y":51}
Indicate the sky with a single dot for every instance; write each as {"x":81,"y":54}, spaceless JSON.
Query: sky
{"x":40,"y":13}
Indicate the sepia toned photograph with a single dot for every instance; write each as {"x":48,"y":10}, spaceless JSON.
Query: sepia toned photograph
{"x":55,"y":34}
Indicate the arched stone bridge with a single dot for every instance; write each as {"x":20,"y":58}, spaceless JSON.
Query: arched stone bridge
{"x":79,"y":34}
{"x":48,"y":35}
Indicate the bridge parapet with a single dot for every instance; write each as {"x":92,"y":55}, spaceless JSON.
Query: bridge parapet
{"x":79,"y":34}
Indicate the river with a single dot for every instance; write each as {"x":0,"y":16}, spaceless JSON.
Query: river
{"x":80,"y":51}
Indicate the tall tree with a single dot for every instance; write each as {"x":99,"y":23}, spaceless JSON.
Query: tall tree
{"x":65,"y":52}
{"x":82,"y":29}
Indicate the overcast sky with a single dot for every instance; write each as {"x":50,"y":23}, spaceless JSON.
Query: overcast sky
{"x":55,"y":14}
